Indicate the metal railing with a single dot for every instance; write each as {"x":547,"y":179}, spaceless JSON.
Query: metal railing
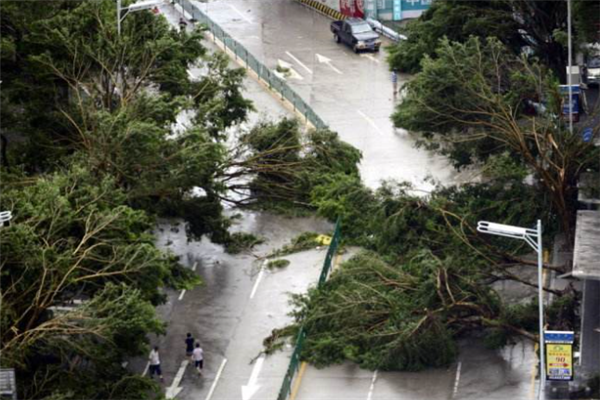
{"x":274,"y":82}
{"x":288,"y":379}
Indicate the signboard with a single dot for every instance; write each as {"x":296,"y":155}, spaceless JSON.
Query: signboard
{"x":575,"y":92}
{"x":559,"y":355}
{"x":397,"y":10}
{"x":352,"y":8}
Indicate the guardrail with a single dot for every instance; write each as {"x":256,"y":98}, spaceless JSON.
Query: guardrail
{"x":263,"y":73}
{"x":288,"y":379}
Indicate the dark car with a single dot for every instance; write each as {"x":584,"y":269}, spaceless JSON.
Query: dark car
{"x":356,"y":33}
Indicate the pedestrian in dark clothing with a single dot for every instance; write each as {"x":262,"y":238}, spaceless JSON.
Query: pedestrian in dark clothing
{"x":182,"y":24}
{"x":189,"y":345}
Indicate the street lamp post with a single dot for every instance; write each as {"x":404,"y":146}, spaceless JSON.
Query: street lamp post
{"x":533,"y":237}
{"x":569,"y":77}
{"x":141,"y":5}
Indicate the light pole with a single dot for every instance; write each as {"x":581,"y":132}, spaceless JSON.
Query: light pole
{"x":569,"y":77}
{"x":141,"y":5}
{"x":5,"y":217}
{"x":533,"y":237}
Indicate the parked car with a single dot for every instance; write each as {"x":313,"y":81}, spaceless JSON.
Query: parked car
{"x":593,"y":71}
{"x":356,"y":33}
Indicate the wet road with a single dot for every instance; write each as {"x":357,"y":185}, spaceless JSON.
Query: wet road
{"x":239,"y":305}
{"x":352,"y":93}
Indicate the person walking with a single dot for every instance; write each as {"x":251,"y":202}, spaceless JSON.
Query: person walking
{"x":189,"y":345}
{"x":395,"y":82}
{"x":182,"y":24}
{"x":155,"y":364}
{"x":198,"y":357}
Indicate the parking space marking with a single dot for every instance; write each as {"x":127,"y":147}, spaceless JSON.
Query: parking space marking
{"x":260,"y":275}
{"x":238,"y":12}
{"x":370,"y":121}
{"x":146,"y":369}
{"x":370,"y":57}
{"x":194,"y":266}
{"x":214,"y":385}
{"x":456,"y":380}
{"x":290,"y":55}
{"x":182,"y":294}
{"x":372,"y":387}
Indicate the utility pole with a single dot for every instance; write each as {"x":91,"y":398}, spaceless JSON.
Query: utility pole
{"x":569,"y":72}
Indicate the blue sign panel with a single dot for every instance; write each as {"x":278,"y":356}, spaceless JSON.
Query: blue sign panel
{"x":559,"y":336}
{"x":587,"y":134}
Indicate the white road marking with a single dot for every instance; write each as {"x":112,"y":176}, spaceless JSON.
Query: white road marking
{"x":370,"y":121}
{"x":146,"y":369}
{"x":250,"y":389}
{"x":325,"y":60}
{"x":260,"y":275}
{"x":291,"y":71}
{"x":181,"y":295}
{"x":290,"y":55}
{"x":214,"y":385}
{"x":456,"y":380}
{"x":174,"y":389}
{"x":194,"y":266}
{"x":370,"y":57}
{"x":372,"y":387}
{"x":238,"y":12}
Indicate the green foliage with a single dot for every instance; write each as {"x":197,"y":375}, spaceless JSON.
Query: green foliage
{"x":304,"y":241}
{"x":278,"y":264}
{"x":425,"y":283}
{"x":241,"y":241}
{"x":73,"y":236}
{"x":524,"y":27}
{"x":288,"y":166}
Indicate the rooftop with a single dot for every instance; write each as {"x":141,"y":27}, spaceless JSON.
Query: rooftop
{"x":586,"y":254}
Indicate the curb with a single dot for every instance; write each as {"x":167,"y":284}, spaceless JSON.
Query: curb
{"x":322,"y":9}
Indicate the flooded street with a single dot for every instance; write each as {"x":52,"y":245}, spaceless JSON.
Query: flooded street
{"x":351,"y":92}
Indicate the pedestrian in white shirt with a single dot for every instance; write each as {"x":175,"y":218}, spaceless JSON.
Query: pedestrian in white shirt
{"x":198,"y":357}
{"x":155,"y":364}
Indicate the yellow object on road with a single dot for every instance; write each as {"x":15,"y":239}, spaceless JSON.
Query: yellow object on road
{"x":323,"y":240}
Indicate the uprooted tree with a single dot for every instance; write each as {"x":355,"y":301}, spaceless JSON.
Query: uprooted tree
{"x":92,"y":152}
{"x":476,"y":99}
{"x":425,"y":279}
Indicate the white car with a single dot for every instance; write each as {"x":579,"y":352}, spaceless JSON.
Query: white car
{"x":593,"y":71}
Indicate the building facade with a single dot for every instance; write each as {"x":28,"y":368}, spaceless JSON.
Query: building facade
{"x":383,"y":10}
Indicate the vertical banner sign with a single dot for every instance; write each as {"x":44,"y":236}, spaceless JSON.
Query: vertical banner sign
{"x":397,"y":10}
{"x":559,"y":355}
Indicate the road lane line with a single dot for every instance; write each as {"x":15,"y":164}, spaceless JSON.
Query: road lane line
{"x":214,"y":385}
{"x":298,"y":380}
{"x":238,"y":12}
{"x":194,"y":266}
{"x":370,"y":121}
{"x":260,"y":275}
{"x":146,"y":369}
{"x":372,"y":387}
{"x":370,"y":57}
{"x":181,"y":295}
{"x":456,"y":380}
{"x":299,"y":62}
